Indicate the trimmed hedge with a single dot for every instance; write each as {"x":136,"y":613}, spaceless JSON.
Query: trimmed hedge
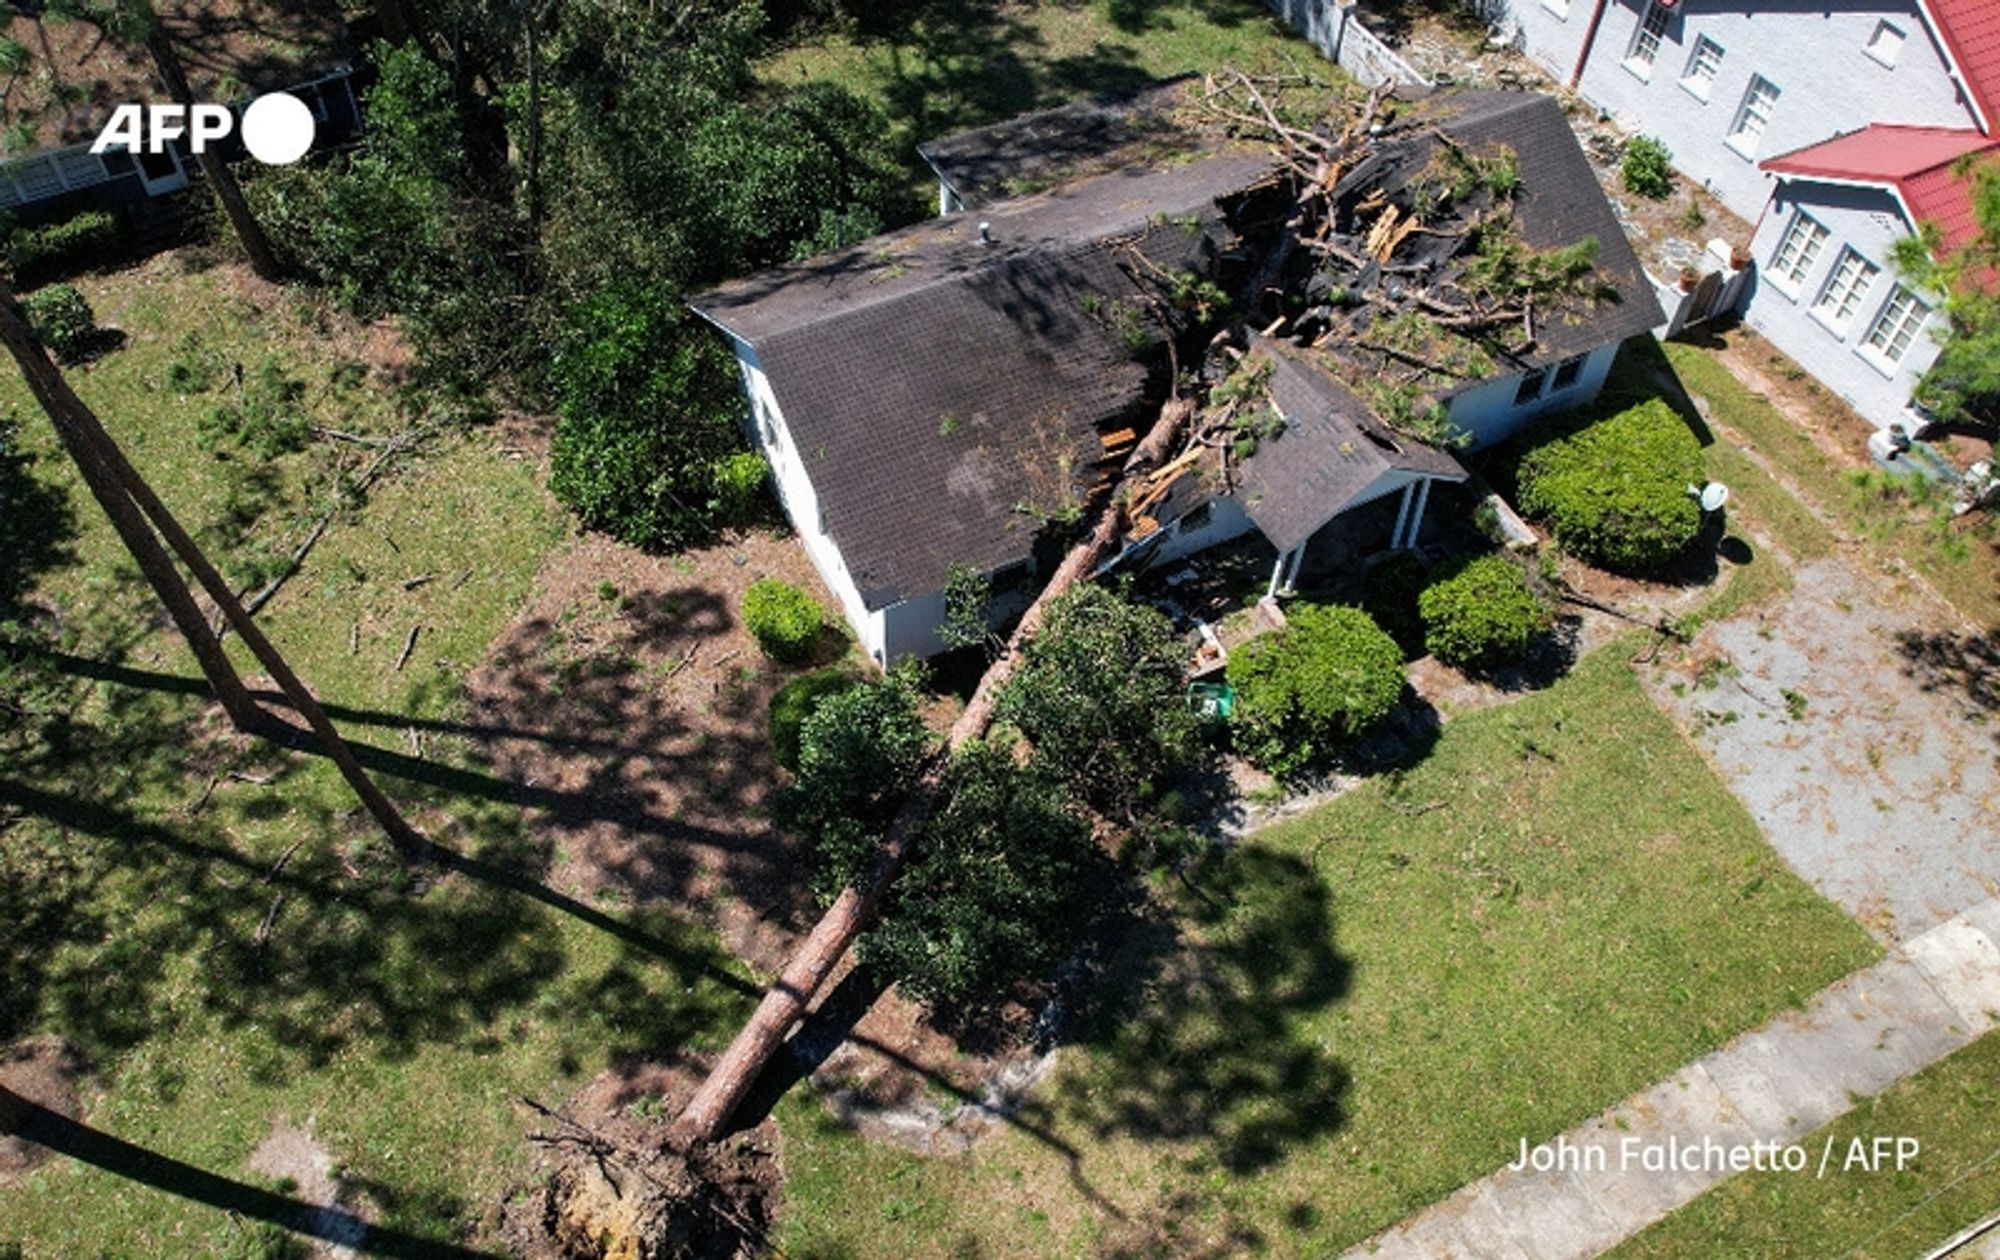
{"x":1390,"y":596}
{"x":87,"y":241}
{"x":1484,"y":612}
{"x":1647,"y":168}
{"x":63,"y":320}
{"x":1614,"y":490}
{"x":798,"y":700}
{"x":1301,"y":693}
{"x":783,"y":619}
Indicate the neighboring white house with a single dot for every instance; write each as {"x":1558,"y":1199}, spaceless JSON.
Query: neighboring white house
{"x":932,"y":397}
{"x":1728,"y":83}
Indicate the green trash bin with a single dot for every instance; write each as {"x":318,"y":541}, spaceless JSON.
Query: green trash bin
{"x":1212,"y":702}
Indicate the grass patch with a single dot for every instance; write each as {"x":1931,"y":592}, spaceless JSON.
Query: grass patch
{"x":232,"y":950}
{"x":1956,"y":560}
{"x":941,"y":68}
{"x":1948,"y":1107}
{"x":1360,"y":1010}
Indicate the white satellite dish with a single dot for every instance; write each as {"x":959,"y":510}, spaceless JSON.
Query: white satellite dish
{"x":1713,"y":496}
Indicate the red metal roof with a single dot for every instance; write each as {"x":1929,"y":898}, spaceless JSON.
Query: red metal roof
{"x":1970,"y":30}
{"x":1916,"y":162}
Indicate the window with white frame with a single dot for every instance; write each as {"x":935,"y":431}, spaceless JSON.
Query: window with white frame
{"x":1886,"y":43}
{"x":1646,"y":40}
{"x":1754,"y":114}
{"x":1848,"y":284}
{"x":1799,"y":249}
{"x":1704,"y":63}
{"x":1896,"y":324}
{"x":1558,"y":7}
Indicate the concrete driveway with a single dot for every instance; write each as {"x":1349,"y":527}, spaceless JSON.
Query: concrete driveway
{"x":1884,"y":793}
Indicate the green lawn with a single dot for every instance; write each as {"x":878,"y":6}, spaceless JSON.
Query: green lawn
{"x":397,"y":1021}
{"x":1854,"y":1214}
{"x":1960,"y":562}
{"x":1366,"y":1007}
{"x":942,"y":67}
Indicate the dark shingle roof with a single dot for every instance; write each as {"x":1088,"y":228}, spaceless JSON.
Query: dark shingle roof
{"x":1330,"y":451}
{"x":1558,"y":203}
{"x":990,"y":163}
{"x":934,"y":384}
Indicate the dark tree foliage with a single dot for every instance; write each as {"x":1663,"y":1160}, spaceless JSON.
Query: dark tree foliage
{"x":648,"y":441}
{"x":860,"y":753}
{"x":999,"y":889}
{"x":798,"y":700}
{"x":1100,"y":695}
{"x":1307,"y":690}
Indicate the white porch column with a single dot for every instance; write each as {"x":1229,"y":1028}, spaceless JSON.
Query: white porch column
{"x":1292,"y":574}
{"x":1417,"y":515}
{"x":1283,"y":572}
{"x":1277,"y":576}
{"x":1402,"y":516}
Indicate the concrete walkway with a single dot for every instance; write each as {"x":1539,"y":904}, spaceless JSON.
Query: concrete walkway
{"x":1932,"y":994}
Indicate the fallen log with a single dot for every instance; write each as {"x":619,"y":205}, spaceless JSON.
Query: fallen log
{"x":784,"y":1004}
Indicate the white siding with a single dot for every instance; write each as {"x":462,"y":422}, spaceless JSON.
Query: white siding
{"x":1815,"y":52}
{"x":1867,"y":221}
{"x":1487,"y":411}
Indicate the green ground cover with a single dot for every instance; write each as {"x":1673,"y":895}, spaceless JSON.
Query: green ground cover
{"x":232,"y":951}
{"x":1357,"y":1011}
{"x":1855,"y":1214}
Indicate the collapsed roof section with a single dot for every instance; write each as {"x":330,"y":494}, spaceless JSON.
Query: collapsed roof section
{"x":951,"y":386}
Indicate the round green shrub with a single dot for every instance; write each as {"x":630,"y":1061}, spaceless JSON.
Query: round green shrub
{"x":783,"y":619}
{"x":798,"y":700}
{"x":1647,"y":168}
{"x":63,"y":320}
{"x":1301,"y":693}
{"x":1484,"y":612}
{"x":1614,"y":491}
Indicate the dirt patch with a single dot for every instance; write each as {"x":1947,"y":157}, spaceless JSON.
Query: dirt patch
{"x":607,"y":1183}
{"x":45,"y":1071}
{"x":337,"y":1218}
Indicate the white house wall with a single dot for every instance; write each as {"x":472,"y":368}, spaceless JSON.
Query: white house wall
{"x":795,"y":492}
{"x":1870,"y":221}
{"x":1814,"y":51}
{"x":1488,"y":413}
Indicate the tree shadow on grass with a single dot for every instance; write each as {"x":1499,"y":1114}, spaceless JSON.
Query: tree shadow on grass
{"x":1198,"y":1042}
{"x":38,"y":527}
{"x":121,"y":1158}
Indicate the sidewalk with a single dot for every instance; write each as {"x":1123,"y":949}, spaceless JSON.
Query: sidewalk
{"x":1931,"y":995}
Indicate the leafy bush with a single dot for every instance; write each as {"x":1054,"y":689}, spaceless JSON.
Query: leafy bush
{"x":798,"y":700}
{"x":999,"y":888}
{"x":1306,"y":690}
{"x":63,"y":320}
{"x":1483,"y":612}
{"x":1647,"y":168}
{"x":1100,"y":694}
{"x":860,"y":752}
{"x":194,"y":367}
{"x":1613,"y":489}
{"x":90,"y":239}
{"x":1390,"y":596}
{"x":647,"y":445}
{"x":783,"y":619}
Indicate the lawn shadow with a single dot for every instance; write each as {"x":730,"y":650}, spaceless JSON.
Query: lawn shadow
{"x":28,"y":1119}
{"x":1196,"y":1038}
{"x":38,"y":525}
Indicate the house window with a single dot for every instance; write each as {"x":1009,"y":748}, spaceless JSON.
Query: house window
{"x":1753,"y":115}
{"x":1886,"y":44}
{"x":1531,"y":387}
{"x":1010,"y":579}
{"x":1568,"y":372}
{"x":1197,"y":519}
{"x":1558,"y":7}
{"x":1896,"y":326}
{"x":1704,"y":63}
{"x":1852,"y":277}
{"x":1799,"y":250}
{"x":1646,"y":41}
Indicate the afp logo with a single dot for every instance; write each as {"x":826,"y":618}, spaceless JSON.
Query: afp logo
{"x":278,"y":128}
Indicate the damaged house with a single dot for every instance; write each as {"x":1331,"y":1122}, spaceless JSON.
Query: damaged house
{"x":1430,"y":278}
